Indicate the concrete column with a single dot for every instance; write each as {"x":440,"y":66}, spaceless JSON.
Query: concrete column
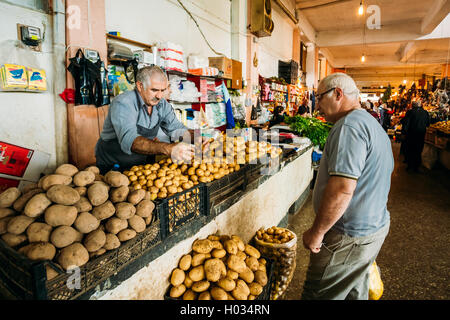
{"x":311,"y":65}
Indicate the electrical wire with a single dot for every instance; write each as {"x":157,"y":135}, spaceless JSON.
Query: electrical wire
{"x":201,"y":32}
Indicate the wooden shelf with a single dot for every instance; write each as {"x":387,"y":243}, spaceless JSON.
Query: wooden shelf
{"x":129,"y":41}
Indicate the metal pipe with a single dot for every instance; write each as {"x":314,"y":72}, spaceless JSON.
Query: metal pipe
{"x":286,"y":10}
{"x":323,"y":4}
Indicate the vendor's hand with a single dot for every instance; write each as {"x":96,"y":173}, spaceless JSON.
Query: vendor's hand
{"x":312,"y":241}
{"x":182,"y":152}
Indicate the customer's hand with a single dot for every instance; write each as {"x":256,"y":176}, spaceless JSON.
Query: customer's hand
{"x":182,"y":152}
{"x":312,"y":241}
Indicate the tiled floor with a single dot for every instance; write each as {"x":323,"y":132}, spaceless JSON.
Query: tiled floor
{"x":415,"y":257}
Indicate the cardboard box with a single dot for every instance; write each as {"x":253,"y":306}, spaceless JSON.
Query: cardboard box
{"x":6,"y":183}
{"x":236,"y":80}
{"x":223,"y":64}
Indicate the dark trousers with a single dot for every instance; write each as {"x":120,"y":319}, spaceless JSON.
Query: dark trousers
{"x":415,"y":142}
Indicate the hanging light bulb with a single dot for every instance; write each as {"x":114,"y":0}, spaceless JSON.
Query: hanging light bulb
{"x":363,"y":58}
{"x":404,"y":81}
{"x":361,"y":8}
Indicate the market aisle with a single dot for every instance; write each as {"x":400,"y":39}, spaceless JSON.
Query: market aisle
{"x":414,"y":259}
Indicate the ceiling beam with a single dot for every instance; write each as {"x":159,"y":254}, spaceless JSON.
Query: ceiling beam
{"x":308,"y":31}
{"x":401,"y":31}
{"x":406,"y":51}
{"x":436,"y":13}
{"x":315,"y":4}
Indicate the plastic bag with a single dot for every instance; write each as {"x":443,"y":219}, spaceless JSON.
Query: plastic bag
{"x":376,"y":286}
{"x":429,"y":156}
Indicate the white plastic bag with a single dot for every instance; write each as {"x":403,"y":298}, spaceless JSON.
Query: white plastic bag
{"x":429,"y":156}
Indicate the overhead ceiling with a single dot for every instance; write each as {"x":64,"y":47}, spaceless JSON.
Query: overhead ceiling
{"x":407,"y":42}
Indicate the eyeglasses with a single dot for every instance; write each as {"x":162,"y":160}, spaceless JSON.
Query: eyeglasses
{"x":319,"y":96}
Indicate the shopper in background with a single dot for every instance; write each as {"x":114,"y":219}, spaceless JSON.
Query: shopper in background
{"x":278,"y":116}
{"x":133,"y":121}
{"x":303,"y":109}
{"x":415,"y":126}
{"x":350,"y":196}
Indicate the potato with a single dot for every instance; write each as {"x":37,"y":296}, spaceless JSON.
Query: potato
{"x":227,"y":284}
{"x":119,"y":194}
{"x":18,"y":224}
{"x":104,"y":211}
{"x":64,"y":236}
{"x":116,"y":179}
{"x":213,"y":237}
{"x":252,"y":263}
{"x":241,"y":291}
{"x":252,"y":251}
{"x":241,"y":255}
{"x":97,"y":253}
{"x":54,"y":179}
{"x":137,"y":223}
{"x":261,"y":277}
{"x":13,"y":240}
{"x":74,"y":255}
{"x":255,"y":288}
{"x":29,"y":187}
{"x":200,"y":286}
{"x":218,"y":294}
{"x":178,"y":291}
{"x":4,"y":224}
{"x":247,"y":275}
{"x":81,"y":191}
{"x":20,"y":203}
{"x":37,"y":205}
{"x":136,"y":196}
{"x":60,"y":215}
{"x":41,"y":251}
{"x":62,"y":194}
{"x":6,"y":212}
{"x":66,"y":169}
{"x":83,"y":178}
{"x":218,"y":253}
{"x":97,"y":194}
{"x":214,"y":269}
{"x":112,"y":242}
{"x":177,"y":277}
{"x":232,"y":274}
{"x":198,"y":259}
{"x":236,"y":264}
{"x":93,"y":169}
{"x":94,"y":240}
{"x":86,"y":222}
{"x":189,"y":295}
{"x":83,"y":205}
{"x":205,"y":295}
{"x":202,"y":246}
{"x":231,"y":246}
{"x":114,"y":225}
{"x":239,"y":242}
{"x":125,"y":210}
{"x":39,"y":232}
{"x":126,"y":235}
{"x":9,"y":196}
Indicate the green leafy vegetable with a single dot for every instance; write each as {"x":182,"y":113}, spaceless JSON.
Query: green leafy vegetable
{"x":316,"y":130}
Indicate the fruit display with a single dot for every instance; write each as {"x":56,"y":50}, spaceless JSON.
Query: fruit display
{"x":443,"y":126}
{"x":220,"y":267}
{"x":71,"y":215}
{"x":280,"y":245}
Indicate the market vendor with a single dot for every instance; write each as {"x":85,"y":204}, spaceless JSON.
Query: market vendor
{"x":133,"y":121}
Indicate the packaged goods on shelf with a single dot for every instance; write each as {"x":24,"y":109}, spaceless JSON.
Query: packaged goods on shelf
{"x":14,"y":77}
{"x":144,"y":57}
{"x":206,"y":71}
{"x":171,"y":56}
{"x":37,"y":79}
{"x":197,"y":62}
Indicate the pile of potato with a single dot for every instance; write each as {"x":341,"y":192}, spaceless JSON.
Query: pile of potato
{"x":71,"y":216}
{"x":274,"y":235}
{"x":219,"y":268}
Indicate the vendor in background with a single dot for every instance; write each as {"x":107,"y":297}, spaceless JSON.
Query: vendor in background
{"x":129,"y":132}
{"x":278,"y":116}
{"x":303,"y":110}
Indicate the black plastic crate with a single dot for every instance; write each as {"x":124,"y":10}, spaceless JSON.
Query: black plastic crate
{"x":182,"y":208}
{"x":27,"y":280}
{"x":265,"y":294}
{"x":219,"y":190}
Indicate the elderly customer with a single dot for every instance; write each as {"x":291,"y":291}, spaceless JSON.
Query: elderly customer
{"x":133,"y":121}
{"x":350,"y":196}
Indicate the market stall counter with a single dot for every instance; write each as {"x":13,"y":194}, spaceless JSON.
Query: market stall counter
{"x":264,"y":202}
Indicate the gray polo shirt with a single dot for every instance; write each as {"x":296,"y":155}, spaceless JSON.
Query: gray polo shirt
{"x":127,"y":119}
{"x":358,"y":148}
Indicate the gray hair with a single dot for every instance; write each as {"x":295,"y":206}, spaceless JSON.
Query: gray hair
{"x":146,"y":73}
{"x":342,"y":81}
{"x":416,"y":104}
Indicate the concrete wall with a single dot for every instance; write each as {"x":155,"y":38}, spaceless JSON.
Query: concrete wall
{"x":28,"y":119}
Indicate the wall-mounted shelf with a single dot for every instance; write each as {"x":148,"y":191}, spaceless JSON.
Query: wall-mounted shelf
{"x":129,"y":41}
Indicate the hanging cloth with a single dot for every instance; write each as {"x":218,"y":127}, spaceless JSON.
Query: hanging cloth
{"x":228,"y":107}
